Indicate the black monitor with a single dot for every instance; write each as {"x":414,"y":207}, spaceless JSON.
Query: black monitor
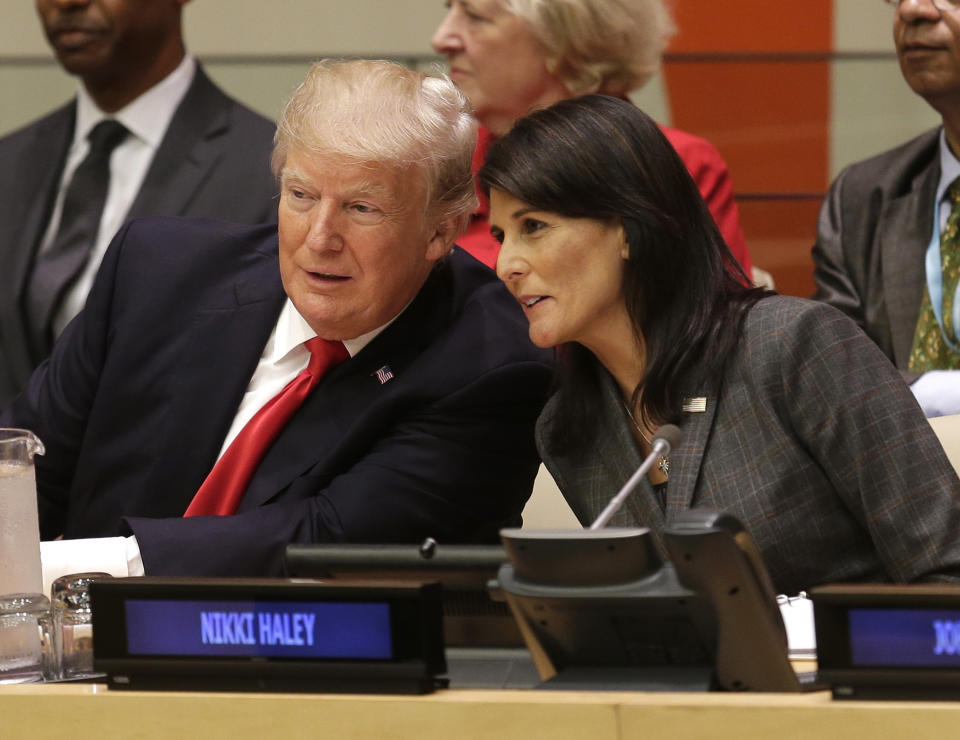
{"x":239,"y":634}
{"x":889,"y":641}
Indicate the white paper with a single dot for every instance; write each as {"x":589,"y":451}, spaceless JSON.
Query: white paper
{"x":64,"y":557}
{"x":797,"y":612}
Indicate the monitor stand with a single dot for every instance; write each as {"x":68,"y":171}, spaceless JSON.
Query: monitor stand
{"x":632,"y":678}
{"x":491,"y":668}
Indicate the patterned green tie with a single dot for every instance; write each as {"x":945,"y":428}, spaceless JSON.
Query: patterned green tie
{"x":930,"y":351}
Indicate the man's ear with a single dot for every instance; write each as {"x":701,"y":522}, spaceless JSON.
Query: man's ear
{"x":445,"y":234}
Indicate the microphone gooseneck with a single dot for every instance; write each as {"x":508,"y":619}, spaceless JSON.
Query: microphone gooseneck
{"x":667,"y":437}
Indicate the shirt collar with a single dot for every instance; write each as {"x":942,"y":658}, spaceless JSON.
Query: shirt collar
{"x":147,"y":116}
{"x":293,"y":330}
{"x":949,"y":167}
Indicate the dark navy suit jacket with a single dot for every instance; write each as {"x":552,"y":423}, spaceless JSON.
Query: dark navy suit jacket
{"x":136,"y":399}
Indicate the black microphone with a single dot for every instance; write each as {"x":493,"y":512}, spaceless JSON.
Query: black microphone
{"x":667,"y":437}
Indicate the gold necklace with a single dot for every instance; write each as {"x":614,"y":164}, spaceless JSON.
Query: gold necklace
{"x":663,"y":463}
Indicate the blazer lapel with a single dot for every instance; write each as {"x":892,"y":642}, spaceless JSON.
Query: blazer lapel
{"x":348,"y":395}
{"x":619,"y":459}
{"x":687,"y":458}
{"x":904,"y":231}
{"x":187,"y":153}
{"x":38,"y":166}
{"x":226,"y":341}
{"x":320,"y":431}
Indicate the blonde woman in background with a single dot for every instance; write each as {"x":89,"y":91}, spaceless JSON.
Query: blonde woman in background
{"x":513,"y":56}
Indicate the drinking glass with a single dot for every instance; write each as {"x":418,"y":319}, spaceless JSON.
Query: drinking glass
{"x":21,"y":657}
{"x":71,"y":627}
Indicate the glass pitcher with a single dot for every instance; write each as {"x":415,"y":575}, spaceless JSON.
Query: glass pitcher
{"x":22,"y":603}
{"x":19,"y":525}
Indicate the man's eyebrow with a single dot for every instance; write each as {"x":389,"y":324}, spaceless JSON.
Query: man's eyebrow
{"x":363,"y":187}
{"x":291,"y":175}
{"x":373,"y":188}
{"x":388,"y":199}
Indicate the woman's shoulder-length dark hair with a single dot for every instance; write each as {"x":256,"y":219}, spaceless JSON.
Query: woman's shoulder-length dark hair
{"x":602,"y":158}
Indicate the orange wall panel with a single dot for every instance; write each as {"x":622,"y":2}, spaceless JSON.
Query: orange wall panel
{"x":753,"y":77}
{"x":768,"y":119}
{"x":780,"y":234}
{"x":753,"y":25}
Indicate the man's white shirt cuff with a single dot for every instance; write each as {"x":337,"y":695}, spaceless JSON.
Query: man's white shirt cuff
{"x":118,"y":556}
{"x":938,"y":392}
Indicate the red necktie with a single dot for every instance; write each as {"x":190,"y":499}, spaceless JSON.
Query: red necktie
{"x":225,"y":485}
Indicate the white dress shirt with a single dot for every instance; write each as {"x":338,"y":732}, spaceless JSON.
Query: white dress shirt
{"x":147,"y":119}
{"x":284,"y":356}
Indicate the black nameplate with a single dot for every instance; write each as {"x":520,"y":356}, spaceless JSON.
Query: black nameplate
{"x":878,"y":641}
{"x":268,"y":634}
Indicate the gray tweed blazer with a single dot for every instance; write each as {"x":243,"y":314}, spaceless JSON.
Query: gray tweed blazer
{"x":811,"y":439}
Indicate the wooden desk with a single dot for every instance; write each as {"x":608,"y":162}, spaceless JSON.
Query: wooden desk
{"x":92,"y":711}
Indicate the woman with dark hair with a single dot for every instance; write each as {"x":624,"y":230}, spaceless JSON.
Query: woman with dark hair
{"x":793,"y":420}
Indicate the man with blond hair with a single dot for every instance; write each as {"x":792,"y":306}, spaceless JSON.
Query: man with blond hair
{"x":347,"y":377}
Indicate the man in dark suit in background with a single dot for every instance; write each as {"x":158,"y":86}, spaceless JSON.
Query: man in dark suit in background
{"x":148,"y":134}
{"x":196,"y":332}
{"x":887,"y":247}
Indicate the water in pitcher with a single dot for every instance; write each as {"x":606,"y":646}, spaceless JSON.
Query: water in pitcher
{"x":20,"y":654}
{"x":19,"y":530}
{"x":22,"y":606}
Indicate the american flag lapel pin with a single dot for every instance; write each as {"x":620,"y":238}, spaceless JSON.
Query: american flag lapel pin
{"x":694,"y":404}
{"x":383,"y":374}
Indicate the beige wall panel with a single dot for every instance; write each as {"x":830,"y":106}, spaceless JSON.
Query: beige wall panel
{"x":359,"y":27}
{"x":21,"y":34}
{"x":27,"y":91}
{"x":31,"y":88}
{"x":873,"y":110}
{"x":652,"y":99}
{"x":862,"y":26}
{"x":547,"y":508}
{"x":263,"y":87}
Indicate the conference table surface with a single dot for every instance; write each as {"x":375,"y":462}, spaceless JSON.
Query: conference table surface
{"x":92,"y":710}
